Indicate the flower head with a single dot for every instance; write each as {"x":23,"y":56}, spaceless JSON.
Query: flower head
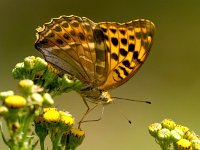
{"x":74,"y":138}
{"x":15,"y":101}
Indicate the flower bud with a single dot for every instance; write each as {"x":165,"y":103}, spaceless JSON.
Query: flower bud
{"x":168,"y":124}
{"x":25,"y":86}
{"x":164,"y":134}
{"x":37,"y":99}
{"x":5,"y":94}
{"x":175,"y":136}
{"x":154,"y":128}
{"x":48,"y":101}
{"x":29,"y":62}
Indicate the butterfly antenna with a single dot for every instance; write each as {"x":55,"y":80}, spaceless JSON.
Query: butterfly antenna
{"x":129,"y":121}
{"x":133,"y":100}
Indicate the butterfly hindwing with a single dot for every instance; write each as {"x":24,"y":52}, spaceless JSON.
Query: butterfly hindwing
{"x":128,"y":46}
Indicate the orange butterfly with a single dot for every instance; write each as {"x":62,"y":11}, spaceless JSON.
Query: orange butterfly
{"x":102,"y":55}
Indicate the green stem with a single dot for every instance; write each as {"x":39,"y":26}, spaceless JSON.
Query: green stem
{"x":42,"y":143}
{"x":27,"y":125}
{"x":165,"y":146}
{"x":56,"y":139}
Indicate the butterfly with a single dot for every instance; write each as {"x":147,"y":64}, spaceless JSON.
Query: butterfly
{"x":101,"y":55}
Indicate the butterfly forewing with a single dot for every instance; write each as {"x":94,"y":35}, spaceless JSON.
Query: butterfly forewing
{"x":128,"y":46}
{"x":68,"y":43}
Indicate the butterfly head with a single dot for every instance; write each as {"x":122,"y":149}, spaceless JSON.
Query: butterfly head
{"x":105,"y":97}
{"x":96,"y":95}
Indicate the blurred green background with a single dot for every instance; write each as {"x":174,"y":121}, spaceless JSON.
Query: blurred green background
{"x":170,"y":78}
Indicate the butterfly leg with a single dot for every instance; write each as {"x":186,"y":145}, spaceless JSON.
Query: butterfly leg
{"x":94,"y":119}
{"x":88,"y":111}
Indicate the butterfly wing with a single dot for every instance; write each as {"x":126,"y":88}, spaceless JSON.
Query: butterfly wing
{"x":74,"y":45}
{"x":128,"y":45}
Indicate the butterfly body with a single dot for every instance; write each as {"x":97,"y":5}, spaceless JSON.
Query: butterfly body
{"x":96,"y":95}
{"x":102,"y":55}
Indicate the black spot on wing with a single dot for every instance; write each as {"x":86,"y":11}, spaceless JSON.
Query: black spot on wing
{"x":65,"y":25}
{"x":123,"y":52}
{"x":124,"y":71}
{"x":50,"y":35}
{"x":131,"y":47}
{"x":113,"y":31}
{"x":126,"y":63}
{"x":122,"y":31}
{"x":59,"y":41}
{"x":124,"y":41}
{"x":131,"y":37}
{"x":118,"y":74}
{"x":57,"y":29}
{"x":81,"y":36}
{"x":75,"y":24}
{"x":114,"y":56}
{"x":114,"y":41}
{"x":103,"y":29}
{"x":135,"y":55}
{"x":73,"y":33}
{"x":138,"y":35}
{"x":66,"y":36}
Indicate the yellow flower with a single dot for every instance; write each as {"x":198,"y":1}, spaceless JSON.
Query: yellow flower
{"x":66,"y":118}
{"x":168,"y":123}
{"x":183,"y":144}
{"x":196,"y":144}
{"x":77,"y":132}
{"x":15,"y":101}
{"x":75,"y":138}
{"x":190,"y":135}
{"x":51,"y":116}
{"x":182,"y":128}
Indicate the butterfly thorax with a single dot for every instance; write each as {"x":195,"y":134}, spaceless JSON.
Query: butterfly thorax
{"x":95,"y":95}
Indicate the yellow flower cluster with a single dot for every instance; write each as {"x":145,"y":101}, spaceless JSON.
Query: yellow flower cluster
{"x":168,"y":133}
{"x":45,"y":75}
{"x":52,"y":115}
{"x":19,"y":111}
{"x":59,"y":126}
